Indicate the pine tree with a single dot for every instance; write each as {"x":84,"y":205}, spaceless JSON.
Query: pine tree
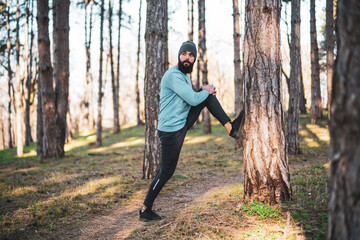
{"x":292,"y":135}
{"x":156,"y":41}
{"x":100,"y":93}
{"x":202,"y":61}
{"x":267,"y":177}
{"x":344,"y":207}
{"x":316,"y":105}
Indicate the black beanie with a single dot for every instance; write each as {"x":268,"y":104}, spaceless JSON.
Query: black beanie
{"x":188,"y":46}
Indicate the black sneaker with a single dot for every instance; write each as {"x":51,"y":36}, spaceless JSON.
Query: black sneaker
{"x":237,"y":125}
{"x":148,"y":215}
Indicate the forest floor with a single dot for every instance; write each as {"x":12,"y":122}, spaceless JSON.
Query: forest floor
{"x":95,"y":193}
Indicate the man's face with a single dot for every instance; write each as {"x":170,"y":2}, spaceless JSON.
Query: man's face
{"x":186,"y":62}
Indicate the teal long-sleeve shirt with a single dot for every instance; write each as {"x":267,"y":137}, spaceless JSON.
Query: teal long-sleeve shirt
{"x":176,"y":99}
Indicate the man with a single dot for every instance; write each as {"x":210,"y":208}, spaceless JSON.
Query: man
{"x":180,"y":107}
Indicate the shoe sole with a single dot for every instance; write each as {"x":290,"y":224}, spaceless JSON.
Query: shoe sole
{"x":239,"y":133}
{"x":148,"y":220}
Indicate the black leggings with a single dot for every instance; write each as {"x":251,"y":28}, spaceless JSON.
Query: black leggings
{"x":171,"y":143}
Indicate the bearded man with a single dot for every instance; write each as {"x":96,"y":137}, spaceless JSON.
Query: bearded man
{"x":180,"y":107}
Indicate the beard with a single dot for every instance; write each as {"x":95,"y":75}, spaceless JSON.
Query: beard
{"x":185,"y":69}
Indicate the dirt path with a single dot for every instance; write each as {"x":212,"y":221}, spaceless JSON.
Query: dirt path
{"x":121,"y":223}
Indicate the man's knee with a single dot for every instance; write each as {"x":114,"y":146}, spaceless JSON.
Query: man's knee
{"x":166,"y":174}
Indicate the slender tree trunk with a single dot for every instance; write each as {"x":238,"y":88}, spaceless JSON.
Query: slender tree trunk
{"x":203,"y":60}
{"x":329,"y":48}
{"x":2,"y":133}
{"x":39,"y":120}
{"x":190,"y":9}
{"x":100,"y":94}
{"x":190,"y":5}
{"x":302,"y":99}
{"x":344,"y":207}
{"x":8,"y":48}
{"x":156,"y":40}
{"x":267,"y":177}
{"x":28,"y":77}
{"x":316,"y":106}
{"x":91,"y":80}
{"x":86,"y":101}
{"x":114,"y":87}
{"x":292,"y":136}
{"x":118,"y":73}
{"x":238,"y":83}
{"x":18,"y":95}
{"x":137,"y":92}
{"x":237,"y":62}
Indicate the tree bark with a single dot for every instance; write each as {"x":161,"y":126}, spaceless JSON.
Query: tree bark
{"x":114,"y":86}
{"x":316,"y":105}
{"x":137,"y":92}
{"x":18,"y":95}
{"x":329,"y":49}
{"x":292,"y":136}
{"x":156,"y":41}
{"x":267,"y":177}
{"x":8,"y":48}
{"x":203,"y":60}
{"x":344,"y":207}
{"x":238,"y":82}
{"x":100,"y":93}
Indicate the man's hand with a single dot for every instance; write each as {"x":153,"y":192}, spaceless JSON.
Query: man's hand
{"x":210,"y":88}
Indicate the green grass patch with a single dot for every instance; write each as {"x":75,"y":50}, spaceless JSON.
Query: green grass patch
{"x":263,"y":211}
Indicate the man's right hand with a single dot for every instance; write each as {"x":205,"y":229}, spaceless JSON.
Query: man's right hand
{"x":210,"y":88}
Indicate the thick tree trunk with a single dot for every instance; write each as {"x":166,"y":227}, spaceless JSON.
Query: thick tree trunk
{"x":45,"y":84}
{"x":237,"y":67}
{"x":156,"y":40}
{"x":137,"y":92}
{"x":292,"y":136}
{"x":118,"y":73}
{"x":54,"y":102}
{"x":8,"y":49}
{"x":203,"y":60}
{"x":329,"y":49}
{"x":316,"y":106}
{"x":100,"y":93}
{"x":61,"y":70}
{"x":114,"y":86}
{"x":18,"y":95}
{"x":344,"y":207}
{"x":267,"y":177}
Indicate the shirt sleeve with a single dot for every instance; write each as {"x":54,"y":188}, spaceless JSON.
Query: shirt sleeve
{"x":182,"y":89}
